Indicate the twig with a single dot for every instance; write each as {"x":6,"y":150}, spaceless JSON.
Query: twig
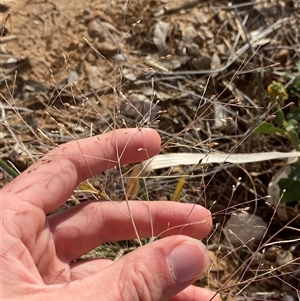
{"x":8,"y":38}
{"x":176,"y":9}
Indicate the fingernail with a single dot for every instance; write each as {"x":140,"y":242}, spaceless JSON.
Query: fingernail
{"x":188,"y":261}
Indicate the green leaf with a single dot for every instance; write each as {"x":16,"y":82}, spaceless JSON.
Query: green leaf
{"x":143,"y":193}
{"x":294,"y":114}
{"x":5,"y":167}
{"x":295,"y":172}
{"x":292,"y":122}
{"x":269,"y":128}
{"x":293,"y":135}
{"x":292,"y":191}
{"x":279,"y":117}
{"x":294,"y":89}
{"x":298,"y":65}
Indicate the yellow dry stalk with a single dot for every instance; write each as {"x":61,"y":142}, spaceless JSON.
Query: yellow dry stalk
{"x":87,"y":187}
{"x":133,"y":184}
{"x":178,"y":189}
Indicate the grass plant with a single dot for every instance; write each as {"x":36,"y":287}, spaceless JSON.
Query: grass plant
{"x":235,"y":103}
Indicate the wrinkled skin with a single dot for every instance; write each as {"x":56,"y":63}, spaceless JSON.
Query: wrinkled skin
{"x":38,"y":250}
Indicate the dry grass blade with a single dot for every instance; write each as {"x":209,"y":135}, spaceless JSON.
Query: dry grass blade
{"x":176,"y":159}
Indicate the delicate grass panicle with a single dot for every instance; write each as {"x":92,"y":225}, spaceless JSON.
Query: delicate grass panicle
{"x":218,"y":80}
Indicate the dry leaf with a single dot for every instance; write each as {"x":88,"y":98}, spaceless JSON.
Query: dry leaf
{"x":215,"y":64}
{"x":133,"y":186}
{"x":176,"y":159}
{"x":160,"y":35}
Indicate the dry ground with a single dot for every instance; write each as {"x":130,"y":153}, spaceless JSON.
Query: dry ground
{"x":197,"y":71}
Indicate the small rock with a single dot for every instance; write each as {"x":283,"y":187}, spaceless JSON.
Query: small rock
{"x":282,"y":56}
{"x":73,"y":77}
{"x":96,"y":31}
{"x":5,"y":5}
{"x":107,"y":48}
{"x":245,"y":228}
{"x":138,"y":105}
{"x":101,"y":30}
{"x":94,"y":74}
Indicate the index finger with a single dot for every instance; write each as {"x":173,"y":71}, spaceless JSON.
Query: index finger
{"x":50,"y":181}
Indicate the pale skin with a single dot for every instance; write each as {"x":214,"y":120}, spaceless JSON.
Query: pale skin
{"x":38,"y":250}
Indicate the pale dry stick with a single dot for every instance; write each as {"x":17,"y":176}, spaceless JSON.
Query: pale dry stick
{"x":263,"y":69}
{"x":8,"y":38}
{"x":288,"y":241}
{"x":236,"y":5}
{"x":16,"y":108}
{"x":176,"y":9}
{"x":10,"y":67}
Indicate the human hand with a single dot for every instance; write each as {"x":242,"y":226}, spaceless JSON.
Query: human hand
{"x":38,"y":251}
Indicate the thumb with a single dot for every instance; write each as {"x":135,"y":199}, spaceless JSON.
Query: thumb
{"x":156,"y":271}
